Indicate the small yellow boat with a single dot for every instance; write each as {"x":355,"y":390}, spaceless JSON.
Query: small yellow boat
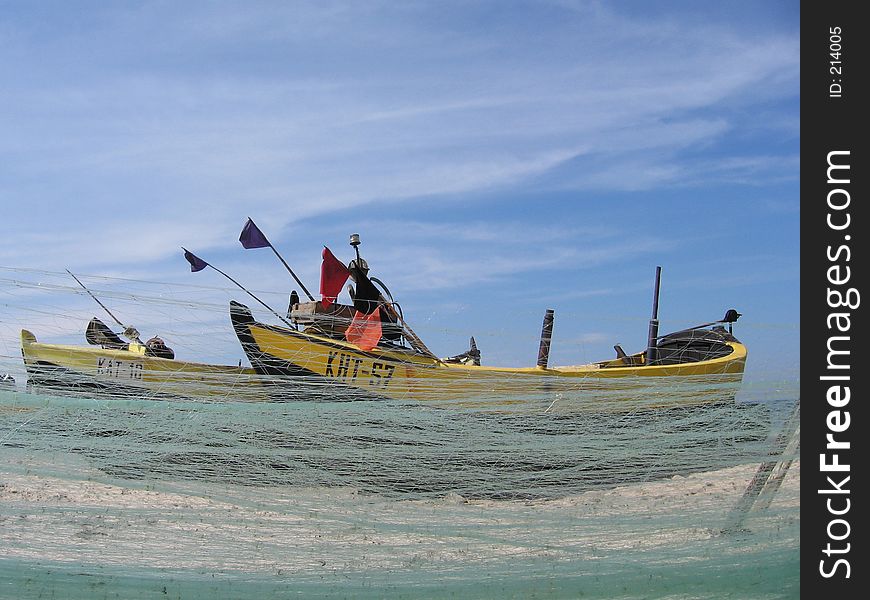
{"x":130,"y":369}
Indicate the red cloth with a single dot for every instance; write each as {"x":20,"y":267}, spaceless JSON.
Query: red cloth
{"x":333,"y":274}
{"x":365,"y":330}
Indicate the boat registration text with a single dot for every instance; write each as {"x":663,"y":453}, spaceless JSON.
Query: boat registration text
{"x":349,"y":368}
{"x":119,"y":369}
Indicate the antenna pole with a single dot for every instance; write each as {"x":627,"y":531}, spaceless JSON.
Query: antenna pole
{"x":355,"y":242}
{"x":409,"y":334}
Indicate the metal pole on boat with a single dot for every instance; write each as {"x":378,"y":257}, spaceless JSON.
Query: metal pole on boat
{"x":252,"y":295}
{"x":355,"y":242}
{"x":546,"y":336}
{"x":654,"y":321}
{"x":129,"y":332}
{"x":302,"y":285}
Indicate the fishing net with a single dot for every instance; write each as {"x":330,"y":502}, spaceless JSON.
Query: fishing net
{"x":213,"y":485}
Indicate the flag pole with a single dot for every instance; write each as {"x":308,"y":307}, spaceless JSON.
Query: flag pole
{"x":239,"y":285}
{"x":302,"y":285}
{"x":253,"y":237}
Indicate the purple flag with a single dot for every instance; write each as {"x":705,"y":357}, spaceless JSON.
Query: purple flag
{"x":252,"y":237}
{"x":196,"y":263}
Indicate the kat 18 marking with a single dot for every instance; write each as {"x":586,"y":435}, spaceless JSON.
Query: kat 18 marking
{"x":119,"y":369}
{"x":349,"y":368}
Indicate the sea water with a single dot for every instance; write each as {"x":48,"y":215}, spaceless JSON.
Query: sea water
{"x":131,"y":497}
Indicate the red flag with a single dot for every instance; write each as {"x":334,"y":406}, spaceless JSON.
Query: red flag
{"x":333,"y":274}
{"x":365,"y":330}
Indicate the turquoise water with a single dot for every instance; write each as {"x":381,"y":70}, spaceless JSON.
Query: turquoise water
{"x":134,"y":498}
{"x":398,"y":450}
{"x":774,"y":574}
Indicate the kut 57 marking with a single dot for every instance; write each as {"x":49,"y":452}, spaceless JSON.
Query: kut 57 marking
{"x":348,"y":368}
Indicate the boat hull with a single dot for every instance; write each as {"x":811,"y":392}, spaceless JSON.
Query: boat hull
{"x":404,"y":374}
{"x":69,"y":369}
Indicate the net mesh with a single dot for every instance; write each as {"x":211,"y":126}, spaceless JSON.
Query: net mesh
{"x":617,"y":489}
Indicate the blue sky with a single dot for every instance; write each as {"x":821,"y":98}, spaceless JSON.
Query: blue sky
{"x":497,"y":159}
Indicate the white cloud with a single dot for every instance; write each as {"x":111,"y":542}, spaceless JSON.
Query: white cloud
{"x":463,"y":118}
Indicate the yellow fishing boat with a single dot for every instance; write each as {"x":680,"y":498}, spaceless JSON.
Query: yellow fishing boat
{"x":707,"y":354}
{"x":136,"y":369}
{"x":369,"y":349}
